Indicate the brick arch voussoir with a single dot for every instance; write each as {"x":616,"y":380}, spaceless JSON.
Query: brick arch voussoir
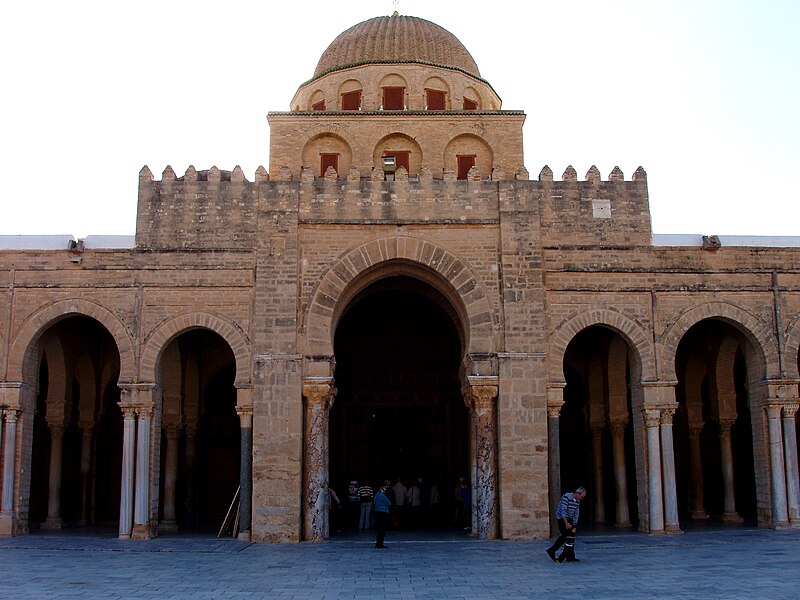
{"x":450,"y":267}
{"x":631,"y":331}
{"x":35,"y":325}
{"x":745,"y":321}
{"x":792,"y":349}
{"x":165,"y":332}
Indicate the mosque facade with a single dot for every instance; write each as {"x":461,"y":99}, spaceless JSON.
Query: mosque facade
{"x":396,"y":297}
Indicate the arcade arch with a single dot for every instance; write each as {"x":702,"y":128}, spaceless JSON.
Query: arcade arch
{"x":717,"y":427}
{"x":596,"y":425}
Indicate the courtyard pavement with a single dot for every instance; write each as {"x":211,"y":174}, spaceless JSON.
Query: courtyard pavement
{"x":724,"y":563}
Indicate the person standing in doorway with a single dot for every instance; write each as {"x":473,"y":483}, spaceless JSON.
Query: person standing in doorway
{"x":365,"y":498}
{"x":567,"y":514}
{"x":400,"y":492}
{"x":382,"y":506}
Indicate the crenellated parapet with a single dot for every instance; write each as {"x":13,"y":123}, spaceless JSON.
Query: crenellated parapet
{"x":594,"y":212}
{"x":217,"y":209}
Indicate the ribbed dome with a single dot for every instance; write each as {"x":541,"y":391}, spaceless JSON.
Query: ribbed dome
{"x":396,"y":39}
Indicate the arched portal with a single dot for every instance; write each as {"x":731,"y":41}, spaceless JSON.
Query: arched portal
{"x":200,"y":431}
{"x":713,"y":426}
{"x":76,"y":454}
{"x":596,"y":428}
{"x":399,"y":412}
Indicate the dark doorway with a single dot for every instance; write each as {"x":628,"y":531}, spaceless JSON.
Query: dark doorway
{"x":399,"y":411}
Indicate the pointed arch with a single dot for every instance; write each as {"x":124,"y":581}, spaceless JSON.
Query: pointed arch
{"x":417,"y":257}
{"x":792,"y":349}
{"x":631,"y":331}
{"x":22,"y":349}
{"x":751,"y":326}
{"x":164,"y":333}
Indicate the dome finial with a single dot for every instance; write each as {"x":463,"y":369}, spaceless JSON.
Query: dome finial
{"x":395,"y":14}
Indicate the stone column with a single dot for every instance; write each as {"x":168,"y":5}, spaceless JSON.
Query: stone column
{"x":555,"y":400}
{"x":790,"y":453}
{"x":9,"y":456}
{"x":597,"y":475}
{"x":620,"y":472}
{"x":190,"y":455}
{"x":780,"y":514}
{"x":671,"y":522}
{"x":86,"y":467}
{"x":141,"y":507}
{"x":698,"y":500}
{"x":483,"y":399}
{"x":172,"y":433}
{"x":729,"y":514}
{"x":319,"y":397}
{"x":128,"y":464}
{"x":244,"y":408}
{"x":54,"y":483}
{"x":652,"y":422}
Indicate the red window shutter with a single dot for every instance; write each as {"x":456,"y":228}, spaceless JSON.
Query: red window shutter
{"x":318,"y":105}
{"x":401,"y":158}
{"x":465,"y":163}
{"x":394,"y":98}
{"x":435,"y":99}
{"x":351,"y":100}
{"x":328,"y":160}
{"x":470,"y":104}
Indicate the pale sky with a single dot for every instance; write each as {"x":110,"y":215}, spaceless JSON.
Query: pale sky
{"x":704,"y":94}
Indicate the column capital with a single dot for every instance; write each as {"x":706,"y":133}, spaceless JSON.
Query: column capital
{"x":618,"y":425}
{"x":319,"y":391}
{"x":482,"y":392}
{"x":652,"y":417}
{"x":790,"y":410}
{"x":12,"y":414}
{"x":773,"y":410}
{"x":172,"y":429}
{"x":56,"y":430}
{"x":667,"y":414}
{"x":145,"y":412}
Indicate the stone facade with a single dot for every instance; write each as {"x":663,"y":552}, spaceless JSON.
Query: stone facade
{"x":586,"y":349}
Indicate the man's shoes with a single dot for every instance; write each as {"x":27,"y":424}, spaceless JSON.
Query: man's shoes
{"x":573,"y":560}
{"x":382,"y":547}
{"x":552,"y":554}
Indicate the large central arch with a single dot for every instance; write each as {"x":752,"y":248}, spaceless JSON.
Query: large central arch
{"x":444,"y":279}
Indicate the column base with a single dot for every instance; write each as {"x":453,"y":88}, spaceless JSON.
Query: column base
{"x":699,"y":515}
{"x":732,"y":518}
{"x":674,"y":530}
{"x":245,"y":536}
{"x":781,"y":525}
{"x":8,"y":524}
{"x":53,"y":524}
{"x":622,"y":524}
{"x":141,"y":532}
{"x":168,"y":526}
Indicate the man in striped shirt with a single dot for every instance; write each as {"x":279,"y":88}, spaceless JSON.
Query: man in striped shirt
{"x":567,"y":513}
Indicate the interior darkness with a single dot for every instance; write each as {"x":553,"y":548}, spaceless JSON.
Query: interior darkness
{"x":707,"y":336}
{"x":399,"y":410}
{"x":575,"y":432}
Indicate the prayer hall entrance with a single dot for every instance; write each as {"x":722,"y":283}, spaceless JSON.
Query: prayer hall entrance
{"x":399,"y":412}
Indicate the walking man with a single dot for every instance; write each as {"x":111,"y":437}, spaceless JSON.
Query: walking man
{"x":567,"y":513}
{"x":382,"y":506}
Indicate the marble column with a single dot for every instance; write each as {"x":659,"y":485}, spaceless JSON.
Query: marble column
{"x":696,"y":463}
{"x":244,"y":408}
{"x":620,"y":472}
{"x":555,"y":401}
{"x":483,"y":398}
{"x":86,"y":468}
{"x":790,"y":453}
{"x":780,"y":513}
{"x":9,"y":456}
{"x":172,"y":432}
{"x":729,"y":514}
{"x":54,"y":482}
{"x":128,"y":470}
{"x":671,"y":522}
{"x":597,"y":474}
{"x":141,"y":507}
{"x":652,"y":420}
{"x":319,"y":399}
